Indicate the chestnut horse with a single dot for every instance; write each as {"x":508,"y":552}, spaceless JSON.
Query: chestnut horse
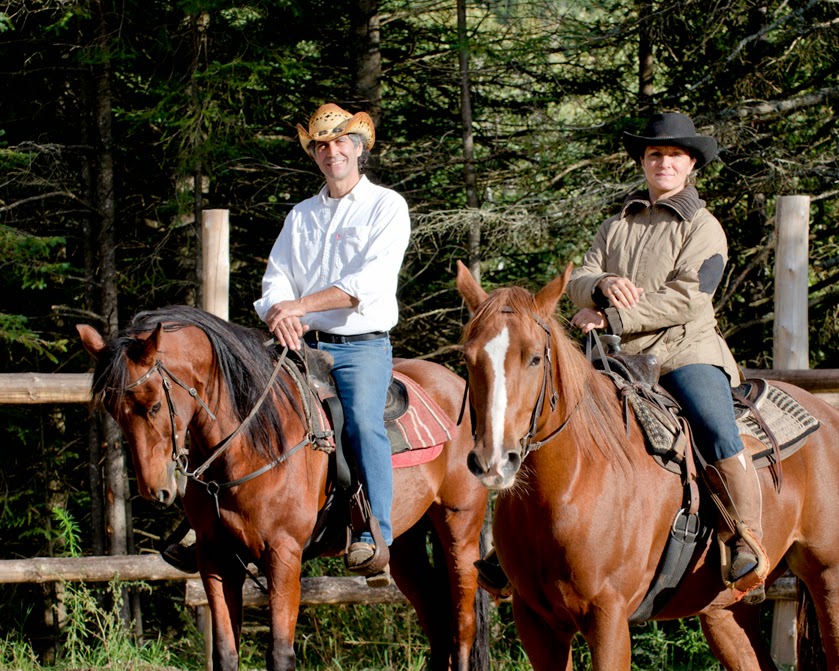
{"x":580,"y":525}
{"x":181,"y":370}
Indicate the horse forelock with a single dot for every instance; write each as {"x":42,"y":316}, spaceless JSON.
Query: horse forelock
{"x":508,"y":300}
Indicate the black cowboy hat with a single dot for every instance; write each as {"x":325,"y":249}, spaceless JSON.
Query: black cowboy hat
{"x":676,"y":130}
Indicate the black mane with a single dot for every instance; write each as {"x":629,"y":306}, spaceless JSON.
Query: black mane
{"x":243,"y":366}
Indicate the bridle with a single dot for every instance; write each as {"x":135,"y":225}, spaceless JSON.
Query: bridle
{"x":180,"y":455}
{"x":527,"y":442}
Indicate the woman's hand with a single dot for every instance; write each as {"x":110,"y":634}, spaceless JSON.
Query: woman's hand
{"x":588,"y":319}
{"x":620,"y":291}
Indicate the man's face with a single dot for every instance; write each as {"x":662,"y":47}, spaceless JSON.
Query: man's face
{"x":338,"y":158}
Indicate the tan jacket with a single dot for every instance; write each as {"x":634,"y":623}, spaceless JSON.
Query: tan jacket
{"x":676,"y":251}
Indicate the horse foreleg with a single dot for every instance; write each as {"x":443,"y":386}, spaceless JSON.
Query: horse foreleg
{"x":459,"y":532}
{"x":224,"y":596}
{"x":607,"y":635}
{"x":282,"y":568}
{"x":546,"y":648}
{"x":733,"y":634}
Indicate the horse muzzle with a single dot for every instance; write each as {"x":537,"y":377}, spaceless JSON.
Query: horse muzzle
{"x":497,"y":472}
{"x":165,"y":490}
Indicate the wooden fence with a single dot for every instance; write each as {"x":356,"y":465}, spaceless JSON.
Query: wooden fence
{"x":790,"y":352}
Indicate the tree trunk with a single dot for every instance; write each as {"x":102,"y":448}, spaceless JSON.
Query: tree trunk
{"x":116,"y":481}
{"x":368,"y":57}
{"x":469,"y":178}
{"x":200,"y":24}
{"x":645,"y":56}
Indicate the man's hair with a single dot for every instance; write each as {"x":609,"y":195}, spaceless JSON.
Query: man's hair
{"x":357,"y":141}
{"x":365,"y":154}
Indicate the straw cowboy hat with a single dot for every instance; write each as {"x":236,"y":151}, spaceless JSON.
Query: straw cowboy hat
{"x":330,"y":121}
{"x":672,"y":129}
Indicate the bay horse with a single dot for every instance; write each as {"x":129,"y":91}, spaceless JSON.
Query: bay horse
{"x":181,"y":370}
{"x":580,"y":525}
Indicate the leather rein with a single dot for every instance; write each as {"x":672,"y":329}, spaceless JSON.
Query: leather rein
{"x":180,"y":455}
{"x":527,"y":442}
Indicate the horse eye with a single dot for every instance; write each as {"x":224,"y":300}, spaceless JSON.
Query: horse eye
{"x":154,"y":409}
{"x":536,"y":360}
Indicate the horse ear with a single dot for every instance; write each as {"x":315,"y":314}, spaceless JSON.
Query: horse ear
{"x":549,"y":295}
{"x":469,"y":288}
{"x":92,"y":341}
{"x":151,"y":347}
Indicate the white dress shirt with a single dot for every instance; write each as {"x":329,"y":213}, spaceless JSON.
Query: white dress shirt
{"x":355,"y":243}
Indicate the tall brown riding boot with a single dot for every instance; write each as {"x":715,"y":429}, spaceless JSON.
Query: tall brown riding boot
{"x":741,"y":480}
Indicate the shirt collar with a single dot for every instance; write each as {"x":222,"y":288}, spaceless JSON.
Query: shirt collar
{"x":358,"y":192}
{"x":685,"y":203}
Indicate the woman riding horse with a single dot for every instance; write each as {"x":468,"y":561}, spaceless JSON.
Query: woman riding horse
{"x":649,"y":278}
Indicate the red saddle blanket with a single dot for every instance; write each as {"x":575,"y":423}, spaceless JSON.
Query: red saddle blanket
{"x":419,"y":431}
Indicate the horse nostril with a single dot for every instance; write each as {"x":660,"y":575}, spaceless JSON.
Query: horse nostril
{"x":474,"y":464}
{"x":513,"y":462}
{"x":164,"y":496}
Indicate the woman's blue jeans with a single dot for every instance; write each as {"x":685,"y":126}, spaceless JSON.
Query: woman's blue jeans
{"x":704,"y":393}
{"x":362,"y":373}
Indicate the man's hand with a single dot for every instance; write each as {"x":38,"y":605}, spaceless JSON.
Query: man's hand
{"x":620,"y":291}
{"x":588,"y":319}
{"x":283,"y":321}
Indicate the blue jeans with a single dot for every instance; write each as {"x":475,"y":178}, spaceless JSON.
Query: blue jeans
{"x":362,"y":373}
{"x":704,"y":393}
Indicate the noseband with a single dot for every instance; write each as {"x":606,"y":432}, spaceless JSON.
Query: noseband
{"x":180,"y":454}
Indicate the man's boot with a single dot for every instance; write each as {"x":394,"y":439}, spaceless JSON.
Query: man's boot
{"x":740,"y":479}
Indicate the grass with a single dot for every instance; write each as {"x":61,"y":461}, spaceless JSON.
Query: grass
{"x":381,"y":637}
{"x":335,"y":638}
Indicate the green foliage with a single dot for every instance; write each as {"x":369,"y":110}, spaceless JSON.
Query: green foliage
{"x":213,"y":89}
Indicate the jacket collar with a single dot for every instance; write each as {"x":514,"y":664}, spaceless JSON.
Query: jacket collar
{"x":685,"y":203}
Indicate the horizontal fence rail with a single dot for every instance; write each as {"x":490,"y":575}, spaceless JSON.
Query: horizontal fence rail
{"x":322,"y":590}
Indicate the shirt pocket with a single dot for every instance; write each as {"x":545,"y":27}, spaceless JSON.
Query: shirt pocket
{"x":351,"y":244}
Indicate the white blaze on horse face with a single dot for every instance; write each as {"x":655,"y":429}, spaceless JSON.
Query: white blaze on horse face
{"x":496,"y":350}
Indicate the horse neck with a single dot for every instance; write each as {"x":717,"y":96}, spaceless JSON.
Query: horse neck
{"x":241,"y":455}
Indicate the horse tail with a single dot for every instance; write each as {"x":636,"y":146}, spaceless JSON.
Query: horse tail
{"x":479,"y":656}
{"x":809,"y":650}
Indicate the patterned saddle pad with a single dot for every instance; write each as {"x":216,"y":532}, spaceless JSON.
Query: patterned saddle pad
{"x":767,"y":409}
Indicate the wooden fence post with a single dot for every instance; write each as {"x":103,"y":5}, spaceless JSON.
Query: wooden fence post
{"x":215,"y":246}
{"x":790,"y":350}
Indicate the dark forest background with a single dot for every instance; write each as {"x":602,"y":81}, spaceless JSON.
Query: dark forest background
{"x":499,"y":121}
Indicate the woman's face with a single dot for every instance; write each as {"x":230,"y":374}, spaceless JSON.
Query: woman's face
{"x":666,"y":169}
